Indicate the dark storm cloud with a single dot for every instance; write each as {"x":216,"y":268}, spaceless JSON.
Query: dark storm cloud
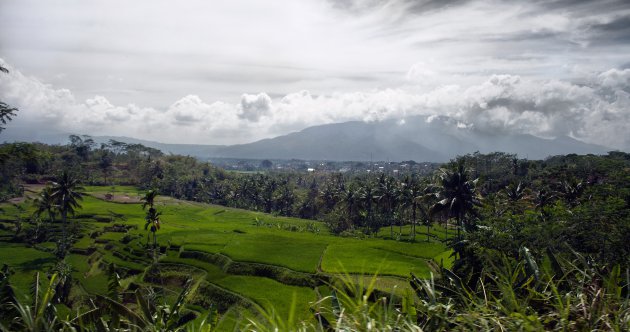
{"x":601,"y":22}
{"x":583,"y":6}
{"x":615,"y":32}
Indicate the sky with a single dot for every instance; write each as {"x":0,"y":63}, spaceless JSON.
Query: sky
{"x":227,"y":72}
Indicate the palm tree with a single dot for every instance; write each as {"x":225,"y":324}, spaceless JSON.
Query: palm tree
{"x":329,"y":196}
{"x":409,"y":195}
{"x":424,"y":200}
{"x":351,"y":199}
{"x":149,"y":199}
{"x":456,"y":195}
{"x":387,"y":194}
{"x":66,"y":193}
{"x":284,"y":199}
{"x":45,"y":202}
{"x":6,"y":111}
{"x":152,"y":219}
{"x":367,"y":196}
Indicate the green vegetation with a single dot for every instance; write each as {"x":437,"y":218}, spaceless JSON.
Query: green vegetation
{"x":491,"y":242}
{"x":266,"y":260}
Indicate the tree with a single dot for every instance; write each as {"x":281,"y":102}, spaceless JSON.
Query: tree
{"x":105,"y":163}
{"x":456,"y":196}
{"x":267,"y":164}
{"x":515,"y":195}
{"x":82,"y":145}
{"x":425,"y":200}
{"x":45,"y":203}
{"x":329,"y":195}
{"x":6,"y":112}
{"x":414,"y":196}
{"x":515,"y":192}
{"x":66,"y":192}
{"x":284,"y":199}
{"x":542,"y":199}
{"x":367,"y":197}
{"x":571,"y":191}
{"x":409,"y":195}
{"x":152,"y":218}
{"x":17,"y":222}
{"x":351,"y":200}
{"x":387,"y":195}
{"x":308,"y":208}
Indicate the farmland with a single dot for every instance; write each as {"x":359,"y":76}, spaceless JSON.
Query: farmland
{"x":241,"y":257}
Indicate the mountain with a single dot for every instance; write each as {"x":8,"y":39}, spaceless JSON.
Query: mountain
{"x":433,"y":139}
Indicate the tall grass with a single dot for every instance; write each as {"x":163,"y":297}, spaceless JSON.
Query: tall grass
{"x":554,"y":294}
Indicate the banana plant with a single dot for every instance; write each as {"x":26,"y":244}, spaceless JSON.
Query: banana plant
{"x":38,"y":315}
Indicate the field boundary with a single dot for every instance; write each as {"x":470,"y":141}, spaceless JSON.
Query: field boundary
{"x":278,"y":273}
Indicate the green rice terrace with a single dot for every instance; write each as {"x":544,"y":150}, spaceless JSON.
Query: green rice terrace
{"x":236,"y":258}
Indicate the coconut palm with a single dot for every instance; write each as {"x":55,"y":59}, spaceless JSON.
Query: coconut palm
{"x":351,"y":200}
{"x":367,"y":197}
{"x":425,"y":200}
{"x":329,"y":195}
{"x":409,"y":195}
{"x":152,"y":218}
{"x":45,"y":203}
{"x":388,"y":197}
{"x":149,"y":199}
{"x":456,"y":196}
{"x":66,"y":193}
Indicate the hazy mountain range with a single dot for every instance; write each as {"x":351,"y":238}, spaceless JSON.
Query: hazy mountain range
{"x":415,"y":138}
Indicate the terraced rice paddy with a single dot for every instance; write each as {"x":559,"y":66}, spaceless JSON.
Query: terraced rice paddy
{"x":237,"y":257}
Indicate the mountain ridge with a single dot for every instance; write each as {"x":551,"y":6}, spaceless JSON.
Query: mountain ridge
{"x":423,"y":139}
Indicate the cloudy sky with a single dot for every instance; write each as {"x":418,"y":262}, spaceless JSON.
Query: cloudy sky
{"x":225,"y":71}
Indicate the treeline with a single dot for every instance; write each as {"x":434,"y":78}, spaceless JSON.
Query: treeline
{"x":494,"y":200}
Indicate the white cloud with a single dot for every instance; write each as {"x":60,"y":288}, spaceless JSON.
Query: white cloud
{"x":615,"y":78}
{"x":253,"y":107}
{"x":596,"y":113}
{"x":189,"y":110}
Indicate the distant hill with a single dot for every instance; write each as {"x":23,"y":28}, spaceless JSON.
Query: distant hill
{"x":415,"y":138}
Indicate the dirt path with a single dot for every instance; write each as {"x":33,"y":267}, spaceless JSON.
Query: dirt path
{"x":30,"y":191}
{"x":117,"y":198}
